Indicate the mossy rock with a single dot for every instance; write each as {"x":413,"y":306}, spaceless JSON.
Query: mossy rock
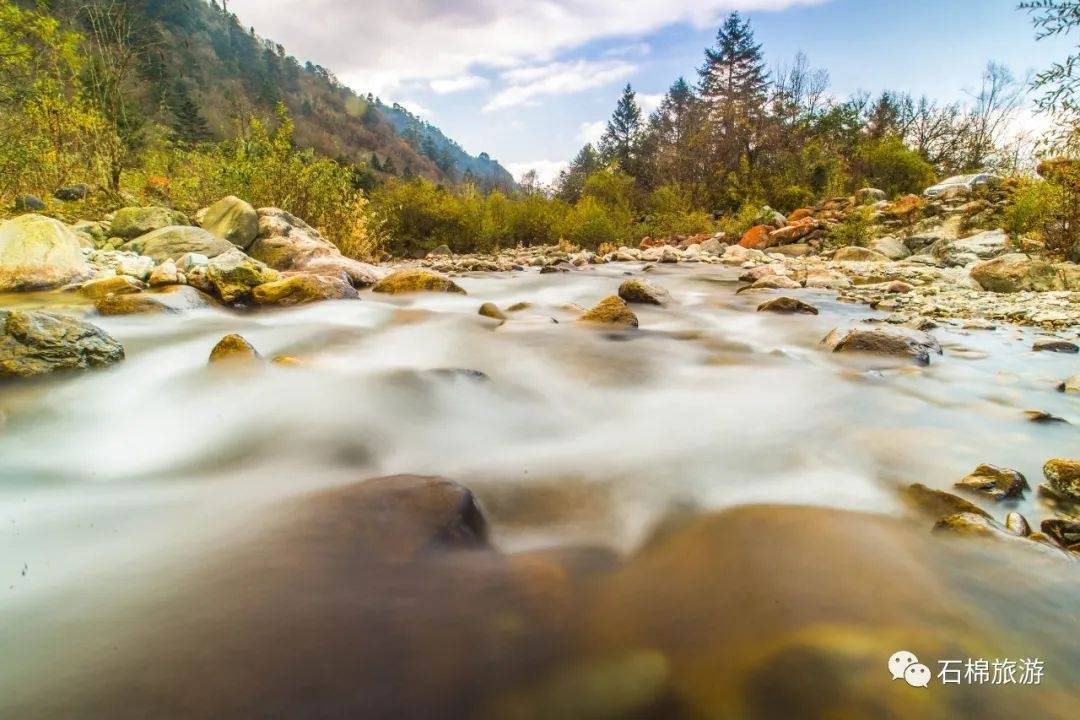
{"x":170,"y":299}
{"x":491,"y":310}
{"x":611,"y":310}
{"x":132,"y":222}
{"x":787,"y":306}
{"x":994,"y":482}
{"x":37,"y":253}
{"x":416,"y":280}
{"x":234,"y":275}
{"x":303,"y":289}
{"x":36,"y":343}
{"x":938,"y":503}
{"x":115,"y":285}
{"x":636,"y":290}
{"x":234,"y":349}
{"x":173,"y":242}
{"x":232,"y":219}
{"x":1064,"y":476}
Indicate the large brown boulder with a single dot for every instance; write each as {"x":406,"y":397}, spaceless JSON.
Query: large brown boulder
{"x":132,"y":222}
{"x":414,"y":280}
{"x":1017,"y":272}
{"x":173,"y":242}
{"x":611,"y":311}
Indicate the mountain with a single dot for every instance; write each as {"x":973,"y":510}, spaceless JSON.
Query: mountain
{"x":201,"y":74}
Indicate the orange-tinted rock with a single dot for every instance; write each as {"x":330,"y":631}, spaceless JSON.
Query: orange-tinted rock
{"x":794,"y":231}
{"x":756,"y":238}
{"x":906,"y":207}
{"x":800,"y":214}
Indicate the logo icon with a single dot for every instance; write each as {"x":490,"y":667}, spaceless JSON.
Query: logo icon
{"x":903,"y":665}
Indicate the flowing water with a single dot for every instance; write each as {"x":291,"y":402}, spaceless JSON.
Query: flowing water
{"x":134,"y":496}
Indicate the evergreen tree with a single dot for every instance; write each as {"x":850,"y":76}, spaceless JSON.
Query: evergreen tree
{"x":188,"y":124}
{"x":674,"y":131}
{"x":375,"y":164}
{"x":734,"y":88}
{"x":571,"y":181}
{"x":621,"y":139}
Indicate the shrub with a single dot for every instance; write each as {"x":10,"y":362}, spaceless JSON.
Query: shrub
{"x":1050,"y":208}
{"x":590,"y":224}
{"x":890,"y":165}
{"x":853,"y":230}
{"x":737,"y":225}
{"x":671,"y":213}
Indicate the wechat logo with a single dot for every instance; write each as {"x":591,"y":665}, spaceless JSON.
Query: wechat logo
{"x":903,"y":665}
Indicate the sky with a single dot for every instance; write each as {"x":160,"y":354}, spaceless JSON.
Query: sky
{"x":531,"y":81}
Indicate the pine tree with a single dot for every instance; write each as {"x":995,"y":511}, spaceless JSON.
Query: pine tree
{"x":621,"y":139}
{"x":375,"y":164}
{"x":734,"y":88}
{"x":571,"y":181}
{"x":188,"y":124}
{"x":670,"y":142}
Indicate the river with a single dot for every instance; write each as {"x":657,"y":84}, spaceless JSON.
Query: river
{"x":136,"y":503}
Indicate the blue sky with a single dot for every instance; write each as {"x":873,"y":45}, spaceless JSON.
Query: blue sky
{"x":529,"y":81}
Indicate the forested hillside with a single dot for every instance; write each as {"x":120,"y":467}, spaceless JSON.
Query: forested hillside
{"x":193,"y":69}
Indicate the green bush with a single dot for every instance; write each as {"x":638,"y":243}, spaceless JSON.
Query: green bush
{"x":590,"y":224}
{"x":891,"y":166}
{"x":854,"y":230}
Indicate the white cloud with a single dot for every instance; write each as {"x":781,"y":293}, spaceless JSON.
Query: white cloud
{"x":458,"y":84}
{"x":637,"y":49}
{"x":415,"y":108}
{"x":591,"y":132}
{"x":546,"y":170}
{"x":377,"y":45}
{"x":648,"y":102}
{"x":560,"y":78}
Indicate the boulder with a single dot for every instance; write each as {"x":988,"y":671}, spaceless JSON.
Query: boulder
{"x":415,"y":280}
{"x":94,"y":233}
{"x":869,"y":196}
{"x":35,"y":343}
{"x":287,"y":243}
{"x":892,"y":341}
{"x":1058,"y":346}
{"x":1064,"y":476}
{"x":773,"y":282}
{"x":1065,"y":532}
{"x":234,"y":349}
{"x":303,"y":288}
{"x":231,"y":219}
{"x":853,"y":253}
{"x":401,"y":517}
{"x":441,"y":251}
{"x":643,"y":292}
{"x":170,"y":243}
{"x":891,"y":247}
{"x":1070,"y":385}
{"x":234,"y":275}
{"x":787,"y":305}
{"x":794,"y":250}
{"x":169,"y":299}
{"x":757,"y":238}
{"x":1016,"y":272}
{"x":612,"y":310}
{"x":713,"y":246}
{"x":772,"y":218}
{"x":28,"y":203}
{"x":131,"y":222}
{"x":115,"y":285}
{"x":71,"y":193}
{"x":967,"y":251}
{"x":794,"y":232}
{"x":994,"y":482}
{"x":38,"y":253}
{"x":1018,"y":524}
{"x":491,"y":310}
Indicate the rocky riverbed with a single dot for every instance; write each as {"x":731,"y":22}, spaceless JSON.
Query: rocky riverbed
{"x":243,"y":475}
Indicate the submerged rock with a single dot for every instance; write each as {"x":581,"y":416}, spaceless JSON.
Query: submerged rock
{"x":301,"y":289}
{"x":36,"y":343}
{"x":997,"y":483}
{"x":1058,"y":346}
{"x":1018,"y":524}
{"x":1066,"y":532}
{"x":231,"y":219}
{"x":234,"y":349}
{"x":1070,"y":385}
{"x":37,"y":253}
{"x":491,"y":310}
{"x":893,"y":341}
{"x":1064,"y":476}
{"x":643,"y":292}
{"x":787,"y":305}
{"x":132,"y":222}
{"x":414,"y":280}
{"x":938,"y":503}
{"x":611,"y":310}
